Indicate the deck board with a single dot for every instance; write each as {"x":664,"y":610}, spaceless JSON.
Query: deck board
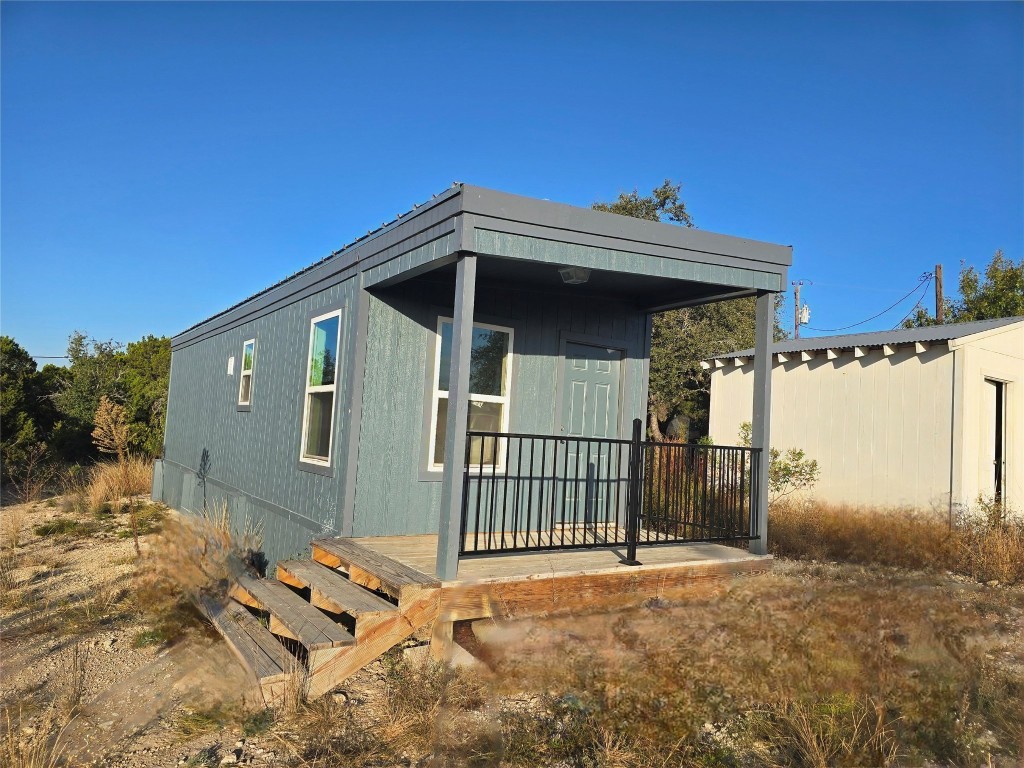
{"x":259,"y":650}
{"x":309,"y":625}
{"x":420,"y":552}
{"x":332,"y":586}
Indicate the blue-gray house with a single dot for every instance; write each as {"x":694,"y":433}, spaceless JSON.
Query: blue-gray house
{"x":470,"y":371}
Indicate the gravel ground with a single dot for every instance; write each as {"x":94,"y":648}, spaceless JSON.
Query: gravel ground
{"x":70,"y":644}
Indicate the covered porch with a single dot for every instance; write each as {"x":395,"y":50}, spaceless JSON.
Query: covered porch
{"x":585,"y":476}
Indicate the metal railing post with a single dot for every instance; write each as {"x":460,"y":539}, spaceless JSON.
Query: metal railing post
{"x":634,"y":493}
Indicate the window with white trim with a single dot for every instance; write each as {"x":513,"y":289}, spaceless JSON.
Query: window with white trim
{"x":321,"y":384}
{"x":490,"y":379}
{"x":245,"y":377}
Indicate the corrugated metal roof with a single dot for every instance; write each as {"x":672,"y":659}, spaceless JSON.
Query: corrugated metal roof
{"x":878,"y":338}
{"x":444,"y":195}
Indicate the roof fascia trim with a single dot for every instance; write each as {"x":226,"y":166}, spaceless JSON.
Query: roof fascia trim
{"x":960,"y":341}
{"x":600,"y":224}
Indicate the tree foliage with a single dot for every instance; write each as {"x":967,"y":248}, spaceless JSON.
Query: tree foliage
{"x":146,"y":377}
{"x":997,"y":292}
{"x":662,"y":204}
{"x":49,"y":415}
{"x":681,"y":338}
{"x":26,"y":410}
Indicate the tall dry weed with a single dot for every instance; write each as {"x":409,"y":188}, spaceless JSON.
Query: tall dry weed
{"x":981,"y":548}
{"x":36,"y":746}
{"x":13,"y":518}
{"x":193,"y":556}
{"x":110,"y":481}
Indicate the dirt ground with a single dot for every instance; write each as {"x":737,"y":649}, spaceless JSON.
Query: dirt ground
{"x":68,"y":614}
{"x":76,"y":645}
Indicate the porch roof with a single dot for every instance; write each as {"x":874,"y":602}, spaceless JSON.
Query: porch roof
{"x":667,"y":264}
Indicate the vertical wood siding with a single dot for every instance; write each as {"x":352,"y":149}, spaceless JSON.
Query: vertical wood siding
{"x":547,"y":251}
{"x":391,"y":497}
{"x":257,"y":451}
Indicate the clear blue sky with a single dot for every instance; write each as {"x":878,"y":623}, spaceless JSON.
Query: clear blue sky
{"x":163,"y":161}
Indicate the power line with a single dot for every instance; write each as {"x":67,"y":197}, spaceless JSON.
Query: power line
{"x":926,"y":278}
{"x":913,"y":308}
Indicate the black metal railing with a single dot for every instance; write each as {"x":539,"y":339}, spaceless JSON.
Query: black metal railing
{"x":526,"y":492}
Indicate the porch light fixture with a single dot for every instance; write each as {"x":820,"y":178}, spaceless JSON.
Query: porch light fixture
{"x":574,"y":275}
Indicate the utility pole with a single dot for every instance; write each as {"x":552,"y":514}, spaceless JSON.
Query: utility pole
{"x":940,"y":309}
{"x":796,"y":308}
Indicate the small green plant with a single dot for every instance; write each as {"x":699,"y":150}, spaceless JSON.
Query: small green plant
{"x":63,"y":526}
{"x":256,"y":723}
{"x":148,"y":637}
{"x":788,"y":472}
{"x":195,"y":722}
{"x":210,"y":756}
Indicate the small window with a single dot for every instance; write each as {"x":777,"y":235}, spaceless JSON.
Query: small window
{"x":245,"y":383}
{"x":321,"y":375}
{"x":489,"y":382}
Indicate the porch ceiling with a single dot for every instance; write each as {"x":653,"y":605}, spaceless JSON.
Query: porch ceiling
{"x":647,"y":292}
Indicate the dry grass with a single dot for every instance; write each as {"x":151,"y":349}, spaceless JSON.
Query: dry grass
{"x":13,"y":523}
{"x":192,"y":555}
{"x":424,"y":709}
{"x":110,"y":481}
{"x":36,"y":746}
{"x":39,"y":741}
{"x":986,"y":549}
{"x":818,"y":666}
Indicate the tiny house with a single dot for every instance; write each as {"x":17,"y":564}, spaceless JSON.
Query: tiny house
{"x":467,"y":381}
{"x":930,"y":418}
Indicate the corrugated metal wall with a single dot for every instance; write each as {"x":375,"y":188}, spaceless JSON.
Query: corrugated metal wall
{"x":391,"y":497}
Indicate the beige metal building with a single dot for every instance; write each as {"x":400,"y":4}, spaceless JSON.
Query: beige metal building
{"x":931,"y":418}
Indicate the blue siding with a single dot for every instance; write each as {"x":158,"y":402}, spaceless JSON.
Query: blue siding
{"x":547,"y":251}
{"x":391,"y":495}
{"x":257,"y":451}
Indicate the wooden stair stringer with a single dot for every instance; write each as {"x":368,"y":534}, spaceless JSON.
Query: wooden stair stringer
{"x":328,"y":668}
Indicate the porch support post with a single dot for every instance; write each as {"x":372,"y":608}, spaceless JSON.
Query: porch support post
{"x":761,"y":423}
{"x":450,"y":525}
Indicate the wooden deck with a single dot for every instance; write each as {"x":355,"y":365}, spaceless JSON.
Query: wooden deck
{"x":420,"y":552}
{"x":567,"y":580}
{"x":357,"y":598}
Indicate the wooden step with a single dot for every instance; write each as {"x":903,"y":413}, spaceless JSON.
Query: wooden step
{"x":331,"y":591}
{"x":259,"y":651}
{"x":290,"y":615}
{"x":371,"y":569}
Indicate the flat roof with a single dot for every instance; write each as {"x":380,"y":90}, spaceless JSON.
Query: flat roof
{"x":470,"y":219}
